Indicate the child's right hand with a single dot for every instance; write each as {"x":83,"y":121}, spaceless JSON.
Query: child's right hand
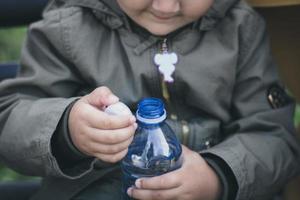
{"x":97,"y":133}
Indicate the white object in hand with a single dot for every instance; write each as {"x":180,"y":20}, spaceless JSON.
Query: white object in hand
{"x":118,"y":108}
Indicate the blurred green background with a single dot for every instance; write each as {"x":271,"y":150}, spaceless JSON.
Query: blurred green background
{"x":11,"y":40}
{"x":10,"y":45}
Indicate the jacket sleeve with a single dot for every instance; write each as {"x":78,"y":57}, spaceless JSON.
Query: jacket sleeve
{"x":32,"y":104}
{"x":261,"y":147}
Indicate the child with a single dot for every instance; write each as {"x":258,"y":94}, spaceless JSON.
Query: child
{"x":217,"y":78}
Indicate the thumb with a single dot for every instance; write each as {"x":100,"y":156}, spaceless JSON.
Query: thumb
{"x":186,"y":150}
{"x":101,"y":97}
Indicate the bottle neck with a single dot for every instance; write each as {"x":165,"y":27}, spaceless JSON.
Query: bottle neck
{"x":152,"y":121}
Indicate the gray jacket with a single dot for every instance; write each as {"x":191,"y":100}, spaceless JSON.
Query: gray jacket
{"x":223,"y":79}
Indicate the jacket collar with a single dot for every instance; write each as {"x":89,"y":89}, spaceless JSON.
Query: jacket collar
{"x":109,"y":12}
{"x":218,"y":11}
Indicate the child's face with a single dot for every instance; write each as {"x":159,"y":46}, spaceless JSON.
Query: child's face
{"x":161,"y":17}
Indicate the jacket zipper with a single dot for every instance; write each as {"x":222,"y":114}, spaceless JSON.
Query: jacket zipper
{"x":185,"y":130}
{"x":164,"y":87}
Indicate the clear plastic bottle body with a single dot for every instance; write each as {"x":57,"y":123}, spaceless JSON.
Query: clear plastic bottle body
{"x":155,"y":149}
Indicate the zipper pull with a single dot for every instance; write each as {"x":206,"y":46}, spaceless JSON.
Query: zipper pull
{"x":165,"y":62}
{"x":165,"y":92}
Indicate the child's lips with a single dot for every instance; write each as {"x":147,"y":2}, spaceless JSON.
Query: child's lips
{"x":164,"y":17}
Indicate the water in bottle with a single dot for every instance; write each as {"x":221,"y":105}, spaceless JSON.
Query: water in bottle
{"x":155,"y":149}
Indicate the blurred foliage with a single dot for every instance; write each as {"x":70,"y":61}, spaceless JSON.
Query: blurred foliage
{"x":11,"y":40}
{"x":297,"y":116}
{"x":7,"y":174}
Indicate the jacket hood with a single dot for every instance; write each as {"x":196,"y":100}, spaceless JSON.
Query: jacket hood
{"x":110,"y":13}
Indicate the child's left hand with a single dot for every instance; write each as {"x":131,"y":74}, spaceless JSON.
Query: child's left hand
{"x":194,"y":180}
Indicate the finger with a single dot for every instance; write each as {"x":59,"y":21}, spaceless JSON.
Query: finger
{"x":111,"y":136}
{"x":109,"y":122}
{"x":110,"y":149}
{"x":101,"y":97}
{"x":153,"y":194}
{"x":169,"y":180}
{"x":187,"y":151}
{"x":112,"y":158}
{"x":100,"y":120}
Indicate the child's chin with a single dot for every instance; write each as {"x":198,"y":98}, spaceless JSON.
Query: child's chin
{"x":160,"y":32}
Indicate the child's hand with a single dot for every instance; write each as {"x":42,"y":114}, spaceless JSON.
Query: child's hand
{"x":96,"y":133}
{"x":194,"y":180}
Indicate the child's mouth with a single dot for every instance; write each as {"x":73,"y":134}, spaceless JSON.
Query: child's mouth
{"x":163,"y":17}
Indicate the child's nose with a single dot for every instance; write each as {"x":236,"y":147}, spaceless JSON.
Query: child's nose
{"x":166,"y":6}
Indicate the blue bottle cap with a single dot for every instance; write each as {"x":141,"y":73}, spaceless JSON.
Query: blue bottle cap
{"x":151,"y":111}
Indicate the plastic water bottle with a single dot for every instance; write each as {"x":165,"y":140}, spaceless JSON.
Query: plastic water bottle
{"x":155,"y":149}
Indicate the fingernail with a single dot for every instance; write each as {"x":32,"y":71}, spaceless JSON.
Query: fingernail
{"x":129,"y":191}
{"x":132,"y":119}
{"x":138,"y":183}
{"x":135,"y":125}
{"x":113,"y":98}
